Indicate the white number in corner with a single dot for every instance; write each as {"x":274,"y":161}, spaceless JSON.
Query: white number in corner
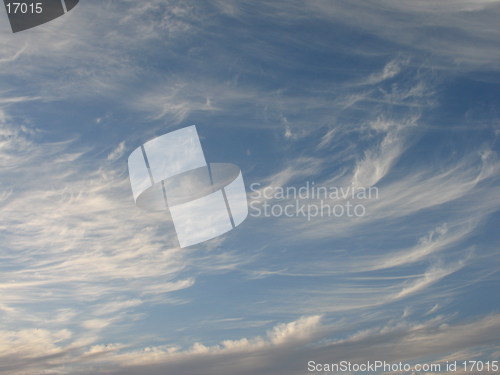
{"x":24,"y":8}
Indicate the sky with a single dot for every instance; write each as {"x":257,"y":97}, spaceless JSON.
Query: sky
{"x":397,"y":95}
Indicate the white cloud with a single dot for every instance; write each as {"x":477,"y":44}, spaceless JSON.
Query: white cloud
{"x":467,"y":38}
{"x":95,"y":324}
{"x":391,"y":69}
{"x":72,"y":235}
{"x":430,"y":277}
{"x":286,"y":350}
{"x":116,"y":306}
{"x":117,"y":152}
{"x":298,"y":330}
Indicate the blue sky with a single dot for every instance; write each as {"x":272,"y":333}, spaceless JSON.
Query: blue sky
{"x":401,"y":95}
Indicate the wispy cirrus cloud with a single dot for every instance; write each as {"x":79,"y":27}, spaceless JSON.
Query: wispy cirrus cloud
{"x":88,"y":254}
{"x":445,"y":32}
